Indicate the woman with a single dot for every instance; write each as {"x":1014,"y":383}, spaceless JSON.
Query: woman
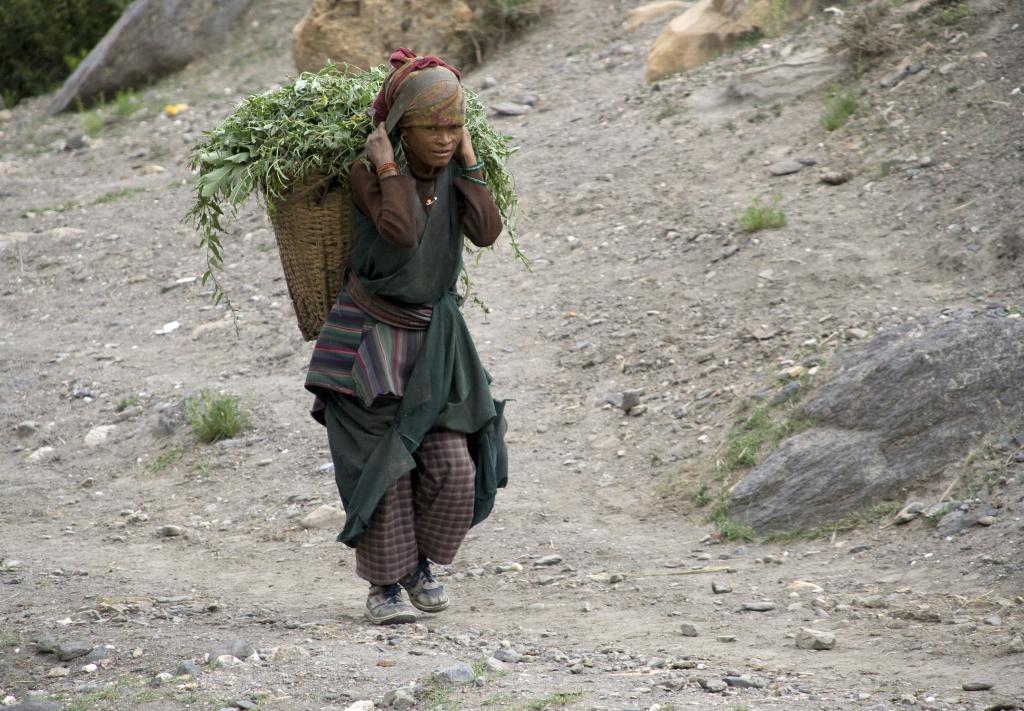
{"x":416,"y":439}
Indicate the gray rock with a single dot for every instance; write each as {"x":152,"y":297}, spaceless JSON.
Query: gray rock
{"x":993,"y":620}
{"x":909,"y":512}
{"x":459,"y":673}
{"x":509,"y":656}
{"x":245,"y":704}
{"x":976,"y":686}
{"x":152,"y":38}
{"x":26,"y":428}
{"x":488,"y":83}
{"x":688,"y":629}
{"x":171,"y":531}
{"x":745,"y":682}
{"x":162,"y":678}
{"x":67,"y":651}
{"x":510,"y":108}
{"x":719,"y":588}
{"x":815,"y":639}
{"x":233,"y":648}
{"x":758,"y":606}
{"x":715,"y":686}
{"x":400,"y":699}
{"x":324,"y":517}
{"x":97,"y":654}
{"x":1016,"y":645}
{"x":835,"y":177}
{"x":630,"y":399}
{"x":553,"y":559}
{"x":187,"y":668}
{"x":785,"y":167}
{"x":887,"y":417}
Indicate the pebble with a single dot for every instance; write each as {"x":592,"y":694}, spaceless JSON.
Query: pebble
{"x":494,"y":665}
{"x":162,"y":678}
{"x":509,"y":656}
{"x":233,"y":648}
{"x":324,"y":517}
{"x":26,"y":428}
{"x":719,"y":588}
{"x":726,"y":638}
{"x":400,"y":699}
{"x":715,"y":686}
{"x":460,"y":673}
{"x":67,"y":651}
{"x":761,"y":606}
{"x":553,"y":559}
{"x":187,"y":668}
{"x":993,"y":620}
{"x":43,"y":454}
{"x":909,"y":512}
{"x":688,"y":629}
{"x":976,"y":686}
{"x":745,"y":682}
{"x":785,"y":167}
{"x":170,"y":531}
{"x":815,"y":639}
{"x":630,"y":399}
{"x":1016,"y":645}
{"x":89,"y":669}
{"x":99,"y":435}
{"x":286,"y":653}
{"x":510,"y":108}
{"x":986,"y":520}
{"x":58,"y":672}
{"x":327,"y":468}
{"x":835,"y":177}
{"x":361,"y":706}
{"x":507,"y":568}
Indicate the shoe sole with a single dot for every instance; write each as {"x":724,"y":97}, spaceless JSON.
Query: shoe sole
{"x":429,"y":608}
{"x":399,"y":618}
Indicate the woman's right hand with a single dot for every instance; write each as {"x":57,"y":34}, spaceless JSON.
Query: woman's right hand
{"x":378,"y":147}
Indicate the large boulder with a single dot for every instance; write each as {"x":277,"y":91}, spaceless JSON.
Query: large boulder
{"x":710,"y":27}
{"x":651,"y":11}
{"x":363,"y":33}
{"x":150,"y":39}
{"x":894,"y":414}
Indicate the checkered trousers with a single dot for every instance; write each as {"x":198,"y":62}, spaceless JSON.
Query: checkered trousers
{"x":427,"y":511}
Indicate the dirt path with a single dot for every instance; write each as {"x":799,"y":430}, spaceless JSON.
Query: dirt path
{"x":628,"y":214}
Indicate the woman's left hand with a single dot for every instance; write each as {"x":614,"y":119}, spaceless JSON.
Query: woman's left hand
{"x":467,"y":156}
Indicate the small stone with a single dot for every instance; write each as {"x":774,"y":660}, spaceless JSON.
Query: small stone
{"x":170,"y":531}
{"x":815,"y":639}
{"x":688,"y":629}
{"x":494,"y":665}
{"x":986,"y":520}
{"x":399,"y":699}
{"x":856,"y":334}
{"x":630,"y":399}
{"x":993,"y":620}
{"x":801,"y":586}
{"x":745,"y":682}
{"x":26,"y":428}
{"x":187,"y":668}
{"x":835,"y":177}
{"x":233,"y":648}
{"x":976,"y":686}
{"x":162,"y":678}
{"x":72,"y":650}
{"x":715,"y":686}
{"x":361,"y":706}
{"x":58,"y":672}
{"x":509,"y":656}
{"x":1016,"y":645}
{"x":759,"y":606}
{"x":508,"y":567}
{"x":719,"y":588}
{"x":169,"y":327}
{"x":460,"y":673}
{"x":785,"y":167}
{"x":909,"y":512}
{"x":99,"y":435}
{"x":327,"y":468}
{"x":43,"y":454}
{"x":726,"y":638}
{"x":488,"y":83}
{"x":324,"y":517}
{"x":245,"y":704}
{"x":89,"y":669}
{"x":553,"y":559}
{"x":225,"y":661}
{"x":510,"y":108}
{"x":286,"y":653}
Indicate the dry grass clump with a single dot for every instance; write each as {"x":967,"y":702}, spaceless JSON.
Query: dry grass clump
{"x":495,"y":22}
{"x":869,"y":32}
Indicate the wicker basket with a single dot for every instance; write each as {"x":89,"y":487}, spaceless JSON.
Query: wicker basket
{"x":313,"y":228}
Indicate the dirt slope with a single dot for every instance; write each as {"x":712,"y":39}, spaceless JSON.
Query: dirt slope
{"x":641,"y":280}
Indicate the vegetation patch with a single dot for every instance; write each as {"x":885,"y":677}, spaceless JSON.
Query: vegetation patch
{"x":762,"y":216}
{"x":166,"y":459}
{"x":555,"y":701}
{"x":858,"y":519}
{"x":214,"y":416}
{"x":495,"y":23}
{"x":839,"y":107}
{"x":868,"y":34}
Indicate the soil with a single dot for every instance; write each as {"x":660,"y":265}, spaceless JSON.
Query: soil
{"x":641,"y":279}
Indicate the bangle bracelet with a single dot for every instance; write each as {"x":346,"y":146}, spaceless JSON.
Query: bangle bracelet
{"x":387,"y":173}
{"x":384,"y":167}
{"x":473,"y":168}
{"x":477,"y":181}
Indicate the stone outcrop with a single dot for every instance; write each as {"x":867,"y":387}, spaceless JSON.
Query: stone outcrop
{"x":710,"y":27}
{"x":651,"y":11}
{"x":896,"y":413}
{"x":151,"y":39}
{"x":362,"y":33}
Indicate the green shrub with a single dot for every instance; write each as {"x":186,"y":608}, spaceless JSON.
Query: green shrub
{"x":761,"y":216}
{"x":840,"y":106}
{"x":41,"y":43}
{"x":214,"y":416}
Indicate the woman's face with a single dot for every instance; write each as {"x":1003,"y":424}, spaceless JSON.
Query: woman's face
{"x":434,"y":146}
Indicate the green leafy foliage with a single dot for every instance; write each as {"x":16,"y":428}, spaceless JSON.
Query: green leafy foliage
{"x":762,"y":216}
{"x":43,"y":42}
{"x":317,"y":125}
{"x":214,"y":416}
{"x":838,"y":108}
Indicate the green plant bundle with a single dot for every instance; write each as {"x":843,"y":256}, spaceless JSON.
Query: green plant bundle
{"x":317,"y":124}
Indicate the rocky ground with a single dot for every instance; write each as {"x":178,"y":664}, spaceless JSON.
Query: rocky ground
{"x":131,"y":554}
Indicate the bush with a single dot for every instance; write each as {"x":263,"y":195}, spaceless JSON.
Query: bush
{"x":214,"y":416}
{"x":41,"y":43}
{"x":839,"y":107}
{"x":761,"y":216}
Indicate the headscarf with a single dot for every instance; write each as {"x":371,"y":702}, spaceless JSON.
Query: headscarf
{"x":420,"y":91}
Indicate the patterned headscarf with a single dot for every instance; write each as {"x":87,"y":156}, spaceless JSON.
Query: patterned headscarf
{"x":420,"y":91}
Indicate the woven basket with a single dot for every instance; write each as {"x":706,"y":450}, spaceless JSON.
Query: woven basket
{"x":312,"y":226}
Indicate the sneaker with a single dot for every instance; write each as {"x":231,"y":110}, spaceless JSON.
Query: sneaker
{"x":385,"y":606}
{"x":424,"y":592}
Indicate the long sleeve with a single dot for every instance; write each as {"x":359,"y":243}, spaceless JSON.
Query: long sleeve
{"x":389,"y":202}
{"x":481,"y":220}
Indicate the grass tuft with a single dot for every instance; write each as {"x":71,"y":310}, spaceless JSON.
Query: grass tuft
{"x":762,"y":216}
{"x":555,"y":701}
{"x":214,"y":416}
{"x":839,"y":107}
